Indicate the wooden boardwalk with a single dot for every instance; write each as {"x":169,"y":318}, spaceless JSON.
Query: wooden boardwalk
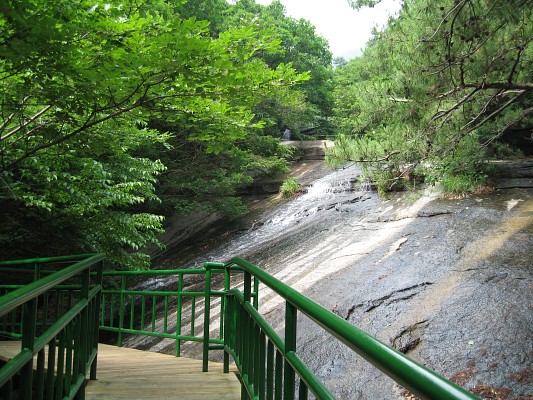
{"x":134,"y":374}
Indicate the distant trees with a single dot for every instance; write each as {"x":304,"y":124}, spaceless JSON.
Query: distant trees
{"x":442,"y":87}
{"x":98,"y":99}
{"x":196,"y":179}
{"x":304,"y":50}
{"x":114,"y":114}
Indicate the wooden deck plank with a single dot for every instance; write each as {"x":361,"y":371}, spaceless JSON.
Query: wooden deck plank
{"x":134,"y":374}
{"x":9,"y":349}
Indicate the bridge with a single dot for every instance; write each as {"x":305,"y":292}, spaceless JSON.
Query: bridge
{"x":52,"y":316}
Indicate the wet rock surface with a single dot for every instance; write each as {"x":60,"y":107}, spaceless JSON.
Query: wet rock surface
{"x":452,"y":291}
{"x":310,"y":150}
{"x":446,"y":281}
{"x":188,"y":237}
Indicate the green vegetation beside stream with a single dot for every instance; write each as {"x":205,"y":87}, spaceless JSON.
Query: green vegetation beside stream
{"x":117,"y":114}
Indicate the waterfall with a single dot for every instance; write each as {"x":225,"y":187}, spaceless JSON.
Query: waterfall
{"x":323,"y":194}
{"x":301,"y":213}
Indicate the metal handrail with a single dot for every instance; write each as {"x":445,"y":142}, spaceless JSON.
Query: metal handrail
{"x":269,"y":366}
{"x":16,"y":298}
{"x":133,"y":310}
{"x":71,"y":336}
{"x":416,"y":378}
{"x":47,"y":260}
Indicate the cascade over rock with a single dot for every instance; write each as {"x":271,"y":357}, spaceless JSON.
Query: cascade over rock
{"x":446,"y":280}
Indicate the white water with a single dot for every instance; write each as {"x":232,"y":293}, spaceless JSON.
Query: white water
{"x":316,"y":235}
{"x":323,"y":194}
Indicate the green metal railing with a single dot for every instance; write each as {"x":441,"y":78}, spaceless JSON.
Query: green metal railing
{"x":171,"y":313}
{"x":216,"y":306}
{"x":55,"y":316}
{"x":270,"y":367}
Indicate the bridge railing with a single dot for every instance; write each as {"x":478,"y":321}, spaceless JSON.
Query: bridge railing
{"x":133,"y":304}
{"x":54,"y":314}
{"x":270,"y":367}
{"x":62,"y":315}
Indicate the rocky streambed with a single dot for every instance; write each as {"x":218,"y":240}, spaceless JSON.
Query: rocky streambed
{"x":447,"y":281}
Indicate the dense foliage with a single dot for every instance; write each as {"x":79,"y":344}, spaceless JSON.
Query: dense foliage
{"x":114,"y":114}
{"x":310,"y":105}
{"x":100,"y":98}
{"x":443,"y":87}
{"x":196,"y":180}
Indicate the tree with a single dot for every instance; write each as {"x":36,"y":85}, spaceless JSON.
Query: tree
{"x":213,"y":11}
{"x":339,"y":62}
{"x":302,"y":49}
{"x":81,"y":85}
{"x":441,"y":88}
{"x":358,"y":4}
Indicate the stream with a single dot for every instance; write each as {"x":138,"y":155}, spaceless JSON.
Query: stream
{"x":446,"y":281}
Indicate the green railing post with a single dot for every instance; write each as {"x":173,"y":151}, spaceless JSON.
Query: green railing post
{"x":121,"y":309}
{"x":84,"y":317}
{"x":50,"y":379}
{"x":207,"y":316}
{"x":40,"y":375}
{"x":247,"y":286}
{"x":252,"y":351}
{"x":68,"y":359}
{"x":269,"y":370}
{"x":61,"y":364}
{"x":227,"y":315}
{"x":36,"y":272}
{"x":247,"y":353}
{"x":97,"y":305}
{"x":78,"y":362}
{"x":227,"y":333}
{"x":290,"y":346}
{"x":278,"y":379}
{"x":29,"y":320}
{"x":262,"y":360}
{"x":256,"y":293}
{"x":178,"y":315}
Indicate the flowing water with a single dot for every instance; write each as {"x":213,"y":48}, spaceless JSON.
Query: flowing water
{"x":330,"y":191}
{"x":267,"y":237}
{"x":326,"y":192}
{"x":444,"y":281}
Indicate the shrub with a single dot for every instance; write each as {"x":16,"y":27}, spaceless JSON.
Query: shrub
{"x":289,"y":187}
